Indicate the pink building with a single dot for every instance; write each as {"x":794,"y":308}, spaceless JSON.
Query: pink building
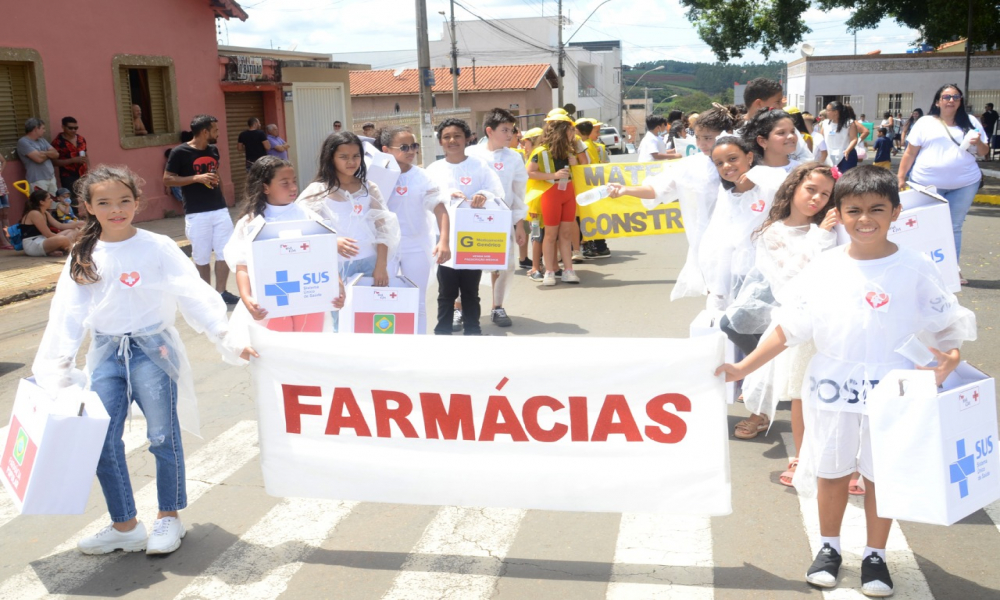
{"x":103,"y":57}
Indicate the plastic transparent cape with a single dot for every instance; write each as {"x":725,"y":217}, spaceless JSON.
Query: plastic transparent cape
{"x":726,"y":253}
{"x":857,"y":313}
{"x":694,"y":182}
{"x":113,"y":313}
{"x":237,"y":249}
{"x":379,"y":223}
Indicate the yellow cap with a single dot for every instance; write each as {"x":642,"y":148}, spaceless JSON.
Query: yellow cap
{"x":558,"y":111}
{"x":559,"y":117}
{"x":532,"y":133}
{"x":792,"y":110}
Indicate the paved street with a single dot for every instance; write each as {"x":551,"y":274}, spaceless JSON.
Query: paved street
{"x":244,"y":544}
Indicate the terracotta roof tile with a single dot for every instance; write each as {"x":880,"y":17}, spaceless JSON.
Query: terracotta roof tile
{"x":488,"y":78}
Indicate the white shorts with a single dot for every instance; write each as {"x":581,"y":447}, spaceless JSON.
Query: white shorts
{"x":207,"y":232}
{"x":49,"y":185}
{"x":848,"y":447}
{"x":34,"y":246}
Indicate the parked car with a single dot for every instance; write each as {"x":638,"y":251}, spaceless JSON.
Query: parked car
{"x":614,"y":141}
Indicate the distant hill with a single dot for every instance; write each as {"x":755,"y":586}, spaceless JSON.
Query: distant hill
{"x":685,"y":79}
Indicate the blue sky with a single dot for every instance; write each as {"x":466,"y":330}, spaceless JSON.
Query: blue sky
{"x":649,"y":29}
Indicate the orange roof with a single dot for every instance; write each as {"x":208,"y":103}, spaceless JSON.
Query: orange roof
{"x":229,"y":9}
{"x":488,"y":79}
{"x":950,"y":44}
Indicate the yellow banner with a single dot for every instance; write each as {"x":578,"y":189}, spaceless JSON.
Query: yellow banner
{"x":624,"y":216}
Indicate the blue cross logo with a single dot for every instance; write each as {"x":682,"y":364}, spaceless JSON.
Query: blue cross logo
{"x":962,"y":468}
{"x":281,"y":288}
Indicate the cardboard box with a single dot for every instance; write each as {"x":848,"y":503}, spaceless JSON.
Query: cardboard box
{"x":936,"y":451}
{"x":382,"y":169}
{"x":385,"y":310}
{"x":51,"y":452}
{"x":707,"y":323}
{"x":479,"y":236}
{"x":293,"y":266}
{"x":925,"y":226}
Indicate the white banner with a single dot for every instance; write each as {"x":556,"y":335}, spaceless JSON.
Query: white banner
{"x":498,"y":422}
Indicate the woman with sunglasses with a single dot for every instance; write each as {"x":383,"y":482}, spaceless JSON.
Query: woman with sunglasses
{"x":942,"y":149}
{"x":418,"y":203}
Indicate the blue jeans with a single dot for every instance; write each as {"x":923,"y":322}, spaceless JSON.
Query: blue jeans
{"x":156,"y":394}
{"x":959,"y":203}
{"x":349,"y":268}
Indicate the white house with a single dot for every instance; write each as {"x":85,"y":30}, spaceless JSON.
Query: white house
{"x":873,"y":84}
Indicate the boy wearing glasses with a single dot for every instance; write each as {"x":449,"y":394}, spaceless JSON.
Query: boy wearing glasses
{"x":72,"y":161}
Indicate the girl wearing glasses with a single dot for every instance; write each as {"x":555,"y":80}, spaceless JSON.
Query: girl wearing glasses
{"x":418,"y":204}
{"x":942,"y":148}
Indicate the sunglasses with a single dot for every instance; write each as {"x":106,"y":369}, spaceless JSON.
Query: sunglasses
{"x":408,"y":147}
{"x":948,"y":97}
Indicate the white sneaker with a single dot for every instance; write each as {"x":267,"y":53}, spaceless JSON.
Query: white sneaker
{"x":166,"y":536}
{"x":549,"y":279}
{"x":577,"y":257}
{"x":570,"y":276}
{"x":110,"y":539}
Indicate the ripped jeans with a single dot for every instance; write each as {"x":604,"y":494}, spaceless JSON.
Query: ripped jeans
{"x":125,"y":375}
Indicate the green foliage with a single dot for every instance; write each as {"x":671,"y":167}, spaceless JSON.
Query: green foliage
{"x":939,"y":21}
{"x":698,"y":102}
{"x":683,"y":78}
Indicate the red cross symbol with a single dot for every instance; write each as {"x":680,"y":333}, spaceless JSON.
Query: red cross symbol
{"x":975,"y":395}
{"x":304,"y":246}
{"x":911,"y":222}
{"x":489,"y":218}
{"x":393,"y":295}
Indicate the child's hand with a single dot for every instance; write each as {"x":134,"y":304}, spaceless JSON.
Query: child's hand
{"x":248,"y":352}
{"x":519,"y":238}
{"x":562,"y":173}
{"x":478,"y":201}
{"x":338,"y":302}
{"x":441,"y":252}
{"x":381,"y":276}
{"x":947,"y":361}
{"x":254,"y":309}
{"x":830,"y":220}
{"x":457,"y":195}
{"x":615,"y":190}
{"x":733,"y":372}
{"x":347,"y":247}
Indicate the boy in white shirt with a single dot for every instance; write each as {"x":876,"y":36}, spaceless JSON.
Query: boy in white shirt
{"x":652,"y":147}
{"x":509,"y":168}
{"x":857,"y":303}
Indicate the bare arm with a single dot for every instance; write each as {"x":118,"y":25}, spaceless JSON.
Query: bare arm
{"x":769,"y":347}
{"x":174,"y":180}
{"x":442,"y":251}
{"x":906,"y":163}
{"x":535,"y":173}
{"x":267,"y":145}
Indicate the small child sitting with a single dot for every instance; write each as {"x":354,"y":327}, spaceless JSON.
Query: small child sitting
{"x":62,"y":210}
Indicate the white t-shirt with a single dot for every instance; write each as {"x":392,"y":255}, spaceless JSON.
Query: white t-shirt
{"x":509,"y":167}
{"x":651,"y":144}
{"x":836,"y":142}
{"x":470,"y":177}
{"x":413,"y":200}
{"x":941,"y":162}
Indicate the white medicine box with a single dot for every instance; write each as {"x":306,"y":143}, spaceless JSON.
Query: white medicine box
{"x":385,"y":310}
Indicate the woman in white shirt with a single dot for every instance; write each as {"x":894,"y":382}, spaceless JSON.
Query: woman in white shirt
{"x":942,"y":149}
{"x":840,"y":137}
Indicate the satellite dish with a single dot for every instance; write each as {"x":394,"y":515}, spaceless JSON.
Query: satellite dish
{"x":293,"y":47}
{"x":807,"y":50}
{"x":398,"y":72}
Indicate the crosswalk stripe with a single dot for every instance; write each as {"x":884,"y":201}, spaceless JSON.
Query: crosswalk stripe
{"x":265,"y":558}
{"x":64,"y":569}
{"x":459,"y":556}
{"x":908,"y":581}
{"x":655,"y":549}
{"x":134,"y":438}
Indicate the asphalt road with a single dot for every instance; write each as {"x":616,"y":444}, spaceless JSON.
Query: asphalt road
{"x":243,"y":544}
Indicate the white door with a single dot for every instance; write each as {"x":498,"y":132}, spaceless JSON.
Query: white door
{"x":316,"y":106}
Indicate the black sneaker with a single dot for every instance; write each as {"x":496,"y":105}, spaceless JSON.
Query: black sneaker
{"x":230,"y":299}
{"x":525,"y":264}
{"x":875,"y":579}
{"x":602,"y":253}
{"x":824,"y":570}
{"x":536,"y":276}
{"x":499,"y":318}
{"x":456,"y":320}
{"x":559,"y":274}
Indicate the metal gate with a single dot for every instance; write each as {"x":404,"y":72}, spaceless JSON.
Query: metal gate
{"x":240,"y":106}
{"x":316,"y":107}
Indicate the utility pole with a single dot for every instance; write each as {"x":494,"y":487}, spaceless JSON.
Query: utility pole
{"x":968,"y":53}
{"x":427,"y":138}
{"x":454,"y":59}
{"x":562,"y":52}
{"x":855,"y":43}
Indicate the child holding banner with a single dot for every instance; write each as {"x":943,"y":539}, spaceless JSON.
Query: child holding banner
{"x":798,"y":227}
{"x":123,"y":286}
{"x":857,"y":303}
{"x":418,"y":203}
{"x":773,"y":137}
{"x":461,"y":178}
{"x":598,"y":247}
{"x":509,"y":168}
{"x":270,"y":193}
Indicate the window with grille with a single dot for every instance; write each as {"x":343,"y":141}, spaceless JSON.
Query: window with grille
{"x":16,"y":102}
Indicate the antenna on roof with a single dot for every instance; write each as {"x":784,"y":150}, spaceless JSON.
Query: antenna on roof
{"x":398,"y":72}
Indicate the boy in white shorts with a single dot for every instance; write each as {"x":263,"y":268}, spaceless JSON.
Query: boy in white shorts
{"x":857,"y":303}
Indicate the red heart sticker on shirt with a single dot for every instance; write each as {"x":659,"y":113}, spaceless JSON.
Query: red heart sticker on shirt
{"x":401,"y":191}
{"x":877,"y":299}
{"x":466,"y":180}
{"x":498,"y":166}
{"x":757,"y":206}
{"x":130,"y":279}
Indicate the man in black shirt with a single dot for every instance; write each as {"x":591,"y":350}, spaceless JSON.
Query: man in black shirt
{"x":253,"y":142}
{"x":989,"y":121}
{"x":194,"y":167}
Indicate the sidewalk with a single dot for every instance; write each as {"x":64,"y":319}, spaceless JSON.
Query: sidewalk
{"x":23,"y":277}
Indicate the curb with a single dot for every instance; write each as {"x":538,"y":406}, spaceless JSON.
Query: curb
{"x":985,"y":199}
{"x":28,"y":294}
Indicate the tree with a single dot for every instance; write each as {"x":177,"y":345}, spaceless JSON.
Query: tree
{"x":696,"y":102}
{"x":731,"y":26}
